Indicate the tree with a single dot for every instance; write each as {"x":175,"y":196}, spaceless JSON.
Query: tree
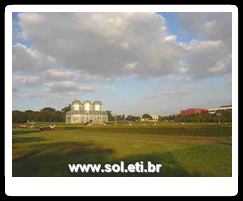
{"x":19,"y":117}
{"x":132,"y":118}
{"x":30,"y":115}
{"x":146,"y":116}
{"x":48,"y":109}
{"x":66,"y":109}
{"x":47,"y":114}
{"x":59,"y":116}
{"x":120,"y":117}
{"x":110,"y":118}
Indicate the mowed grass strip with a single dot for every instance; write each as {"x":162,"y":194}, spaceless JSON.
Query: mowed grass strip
{"x":191,"y":150}
{"x":188,"y":129}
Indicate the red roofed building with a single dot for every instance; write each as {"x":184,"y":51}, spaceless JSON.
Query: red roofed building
{"x":190,"y":111}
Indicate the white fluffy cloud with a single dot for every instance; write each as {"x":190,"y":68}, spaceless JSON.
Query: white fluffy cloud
{"x":64,"y":56}
{"x":101,"y":44}
{"x":118,"y":44}
{"x":208,"y":58}
{"x":88,"y":46}
{"x":211,"y":54}
{"x":59,"y":74}
{"x":209,"y":26}
{"x":67,"y":86}
{"x":26,"y":80}
{"x":26,"y":59}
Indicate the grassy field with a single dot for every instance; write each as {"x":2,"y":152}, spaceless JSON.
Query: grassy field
{"x":182,"y":149}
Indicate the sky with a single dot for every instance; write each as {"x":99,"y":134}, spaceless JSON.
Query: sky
{"x":135,"y":63}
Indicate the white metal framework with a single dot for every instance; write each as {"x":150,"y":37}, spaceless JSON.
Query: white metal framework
{"x":84,"y":112}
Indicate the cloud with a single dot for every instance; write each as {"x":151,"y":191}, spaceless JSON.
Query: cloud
{"x":26,"y":80}
{"x":211,"y":54}
{"x":112,"y":45}
{"x":103,"y":44}
{"x":31,"y":94}
{"x":67,"y":87}
{"x":170,"y":38}
{"x":165,"y":94}
{"x":32,"y":18}
{"x":54,"y":73}
{"x":109,"y":87}
{"x":208,"y":58}
{"x":171,"y":93}
{"x":131,"y":65}
{"x":26,"y":59}
{"x":209,"y":26}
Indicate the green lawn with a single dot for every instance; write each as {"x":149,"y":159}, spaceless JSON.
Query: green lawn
{"x":182,"y":149}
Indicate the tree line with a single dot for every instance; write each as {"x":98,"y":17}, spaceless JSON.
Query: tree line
{"x":129,"y":117}
{"x":220,"y":116}
{"x":46,"y":114}
{"x":49,"y":114}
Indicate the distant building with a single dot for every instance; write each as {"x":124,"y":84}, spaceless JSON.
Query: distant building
{"x":155,"y":117}
{"x":190,"y":111}
{"x":222,"y":108}
{"x":84,"y":112}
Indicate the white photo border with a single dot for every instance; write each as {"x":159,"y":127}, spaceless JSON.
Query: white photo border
{"x":127,"y":186}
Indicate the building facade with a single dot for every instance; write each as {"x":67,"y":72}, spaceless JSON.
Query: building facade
{"x":85,"y":112}
{"x":222,"y":108}
{"x":193,"y":111}
{"x":155,"y":118}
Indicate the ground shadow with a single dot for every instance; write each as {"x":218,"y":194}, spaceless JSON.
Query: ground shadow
{"x":170,"y":167}
{"x":30,"y":131}
{"x":27,"y":139}
{"x":52,"y":159}
{"x":71,"y":128}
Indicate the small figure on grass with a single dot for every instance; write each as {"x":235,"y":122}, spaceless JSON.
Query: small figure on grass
{"x":48,"y":129}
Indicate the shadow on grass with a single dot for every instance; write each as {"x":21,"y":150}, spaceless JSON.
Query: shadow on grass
{"x":26,"y":131}
{"x":52,"y":159}
{"x":48,"y":160}
{"x":71,"y":128}
{"x":28,"y":139}
{"x":180,"y":131}
{"x":170,"y":167}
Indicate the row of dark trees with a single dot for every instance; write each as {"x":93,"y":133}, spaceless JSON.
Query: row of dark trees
{"x":126,"y":118}
{"x":220,"y":116}
{"x":47,"y":114}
